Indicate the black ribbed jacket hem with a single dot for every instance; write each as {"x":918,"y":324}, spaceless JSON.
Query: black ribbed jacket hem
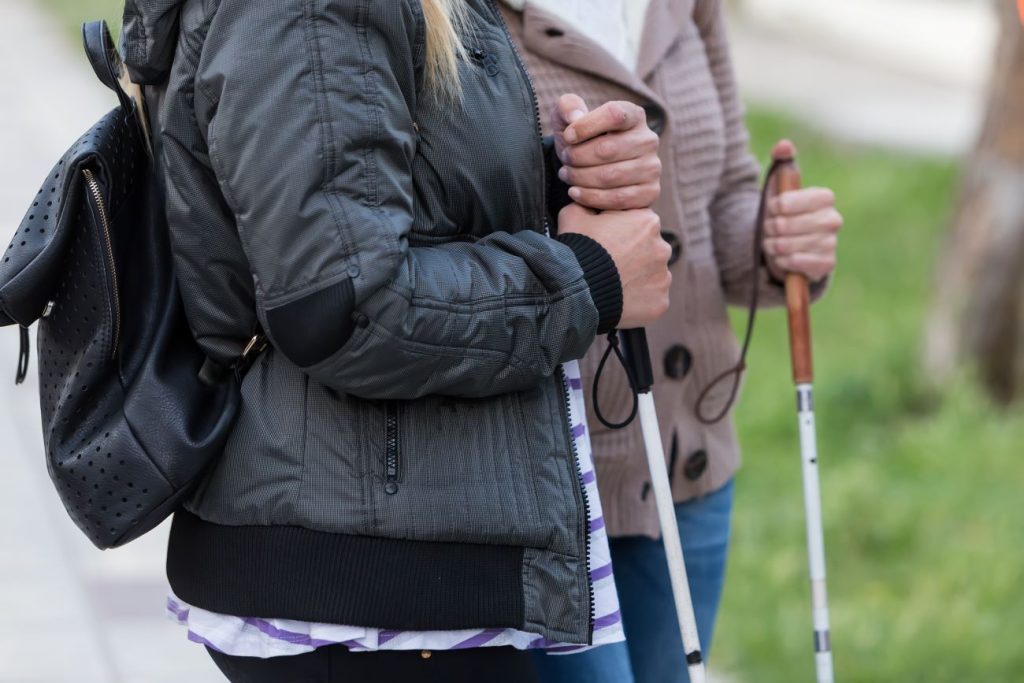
{"x":602,"y":277}
{"x":288,"y":572}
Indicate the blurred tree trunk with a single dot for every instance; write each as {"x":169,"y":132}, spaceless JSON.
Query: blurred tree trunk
{"x":977,"y":317}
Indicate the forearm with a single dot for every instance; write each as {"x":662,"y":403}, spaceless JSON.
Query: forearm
{"x":475,"y":320}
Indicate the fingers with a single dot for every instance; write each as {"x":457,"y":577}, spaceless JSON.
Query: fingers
{"x":617,"y":199}
{"x":801,"y":231}
{"x":611,"y":148}
{"x":815,"y":266}
{"x":825,"y":221}
{"x":821,"y":244}
{"x":801,"y":201}
{"x":804,"y":244}
{"x":616,"y":174}
{"x":608,"y":118}
{"x":568,"y":109}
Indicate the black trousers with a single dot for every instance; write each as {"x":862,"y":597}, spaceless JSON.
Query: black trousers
{"x":335,"y":664}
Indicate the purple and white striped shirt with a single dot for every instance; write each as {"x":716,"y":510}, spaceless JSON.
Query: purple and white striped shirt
{"x":252,"y":637}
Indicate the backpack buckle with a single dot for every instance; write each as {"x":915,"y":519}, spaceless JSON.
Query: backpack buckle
{"x":257,"y":345}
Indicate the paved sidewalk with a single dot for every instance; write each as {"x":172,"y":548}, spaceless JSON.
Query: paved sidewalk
{"x":909,"y":75}
{"x":70,"y":614}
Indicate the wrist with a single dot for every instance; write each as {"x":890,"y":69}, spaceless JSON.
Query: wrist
{"x":602,"y":276}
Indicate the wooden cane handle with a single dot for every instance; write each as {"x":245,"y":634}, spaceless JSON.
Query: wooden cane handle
{"x":798,"y":297}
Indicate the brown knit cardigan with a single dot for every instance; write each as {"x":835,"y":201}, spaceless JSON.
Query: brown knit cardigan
{"x":684,"y":79}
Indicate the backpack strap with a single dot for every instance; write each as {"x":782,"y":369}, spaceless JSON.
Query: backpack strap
{"x":103,"y":56}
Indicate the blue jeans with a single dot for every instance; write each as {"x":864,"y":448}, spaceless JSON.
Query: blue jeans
{"x":653,"y":652}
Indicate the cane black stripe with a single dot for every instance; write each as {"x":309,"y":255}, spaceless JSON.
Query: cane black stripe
{"x":822,"y":641}
{"x":694,"y":657}
{"x":804,"y":400}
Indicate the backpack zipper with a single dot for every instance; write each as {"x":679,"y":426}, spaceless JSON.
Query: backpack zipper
{"x":101,"y":209}
{"x":391,"y":470}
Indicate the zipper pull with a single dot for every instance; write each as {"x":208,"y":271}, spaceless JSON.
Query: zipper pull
{"x":391,"y":455}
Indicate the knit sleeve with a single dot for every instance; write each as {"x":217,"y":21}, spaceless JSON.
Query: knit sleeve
{"x":734,"y":207}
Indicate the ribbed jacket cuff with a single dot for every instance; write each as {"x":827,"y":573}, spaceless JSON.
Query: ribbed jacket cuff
{"x":602,"y":277}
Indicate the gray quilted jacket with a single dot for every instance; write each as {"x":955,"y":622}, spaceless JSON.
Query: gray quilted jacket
{"x":402,"y":457}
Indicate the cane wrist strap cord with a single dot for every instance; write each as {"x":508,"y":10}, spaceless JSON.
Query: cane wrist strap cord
{"x":613,"y":347}
{"x":736,"y":371}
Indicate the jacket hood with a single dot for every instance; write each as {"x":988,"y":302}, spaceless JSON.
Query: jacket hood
{"x":148,"y":37}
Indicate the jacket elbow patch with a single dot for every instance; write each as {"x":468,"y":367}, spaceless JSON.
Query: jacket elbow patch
{"x":314,"y":327}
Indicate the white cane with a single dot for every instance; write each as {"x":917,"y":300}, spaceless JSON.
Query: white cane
{"x":639,"y":357}
{"x":798,"y":304}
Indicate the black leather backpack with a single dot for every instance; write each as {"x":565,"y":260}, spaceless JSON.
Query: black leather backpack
{"x":128,"y":424}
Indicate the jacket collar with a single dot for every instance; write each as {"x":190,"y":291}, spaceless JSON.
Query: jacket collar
{"x":557,"y":40}
{"x":662,"y":30}
{"x":551,"y":37}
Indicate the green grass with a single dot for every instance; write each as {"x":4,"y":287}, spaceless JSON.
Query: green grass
{"x":921,"y":492}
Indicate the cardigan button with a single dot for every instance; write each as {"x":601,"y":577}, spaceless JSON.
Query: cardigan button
{"x":678,"y":361}
{"x":696,"y":465}
{"x":673,"y":241}
{"x":655,"y":117}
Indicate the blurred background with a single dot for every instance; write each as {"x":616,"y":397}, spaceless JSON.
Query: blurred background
{"x":913,"y":110}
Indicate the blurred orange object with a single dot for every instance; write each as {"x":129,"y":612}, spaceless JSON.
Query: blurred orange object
{"x":1020,"y":6}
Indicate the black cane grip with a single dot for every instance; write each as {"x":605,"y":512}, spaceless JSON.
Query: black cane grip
{"x":638,"y":359}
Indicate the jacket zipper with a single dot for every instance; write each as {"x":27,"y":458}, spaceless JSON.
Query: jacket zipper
{"x":101,"y":208}
{"x":536,"y":108}
{"x":391,"y":471}
{"x":567,"y":412}
{"x":561,"y":370}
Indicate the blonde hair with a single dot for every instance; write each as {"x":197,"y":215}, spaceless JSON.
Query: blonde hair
{"x":445,"y":21}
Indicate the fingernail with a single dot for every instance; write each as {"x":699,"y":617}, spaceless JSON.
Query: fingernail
{"x":570,"y":135}
{"x":575,"y":192}
{"x":575,"y":115}
{"x":563,"y":174}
